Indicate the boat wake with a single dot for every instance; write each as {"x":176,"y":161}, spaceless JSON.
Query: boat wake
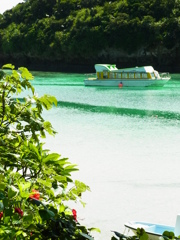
{"x":120,"y":111}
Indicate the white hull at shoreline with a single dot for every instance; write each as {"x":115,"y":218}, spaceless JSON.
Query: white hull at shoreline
{"x":125,"y":83}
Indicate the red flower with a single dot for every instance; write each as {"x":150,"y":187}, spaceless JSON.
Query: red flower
{"x":74,"y":214}
{"x":35,"y":195}
{"x":19,"y":211}
{"x":1,"y":215}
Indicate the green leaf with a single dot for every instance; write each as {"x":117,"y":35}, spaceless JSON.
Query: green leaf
{"x":83,"y":203}
{"x":8,"y":212}
{"x":1,"y":168}
{"x":114,"y":238}
{"x":47,"y":101}
{"x":2,"y":186}
{"x":5,"y":202}
{"x":168,"y":234}
{"x":24,"y":194}
{"x":16,"y":75}
{"x":46,"y":183}
{"x":28,"y":218}
{"x":1,"y":74}
{"x":51,"y":99}
{"x":2,"y":232}
{"x":142,"y":234}
{"x":16,"y":220}
{"x":86,"y":236}
{"x":95,"y":230}
{"x":6,"y":220}
{"x":23,"y":186}
{"x":25,"y":73}
{"x":1,"y":206}
{"x":19,"y":233}
{"x":48,"y":127}
{"x":51,"y":213}
{"x":62,"y":208}
{"x":60,"y":178}
{"x":70,"y":168}
{"x":51,"y":157}
{"x":12,"y":192}
{"x":44,"y":214}
{"x":36,"y":202}
{"x":10,"y":66}
{"x":80,"y":186}
{"x":24,"y":234}
{"x":2,"y":196}
{"x":23,"y":189}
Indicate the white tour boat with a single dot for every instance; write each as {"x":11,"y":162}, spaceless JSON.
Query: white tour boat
{"x":154,"y":230}
{"x":109,"y":75}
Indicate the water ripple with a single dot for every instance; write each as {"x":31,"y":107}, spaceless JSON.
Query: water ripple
{"x":120,"y":111}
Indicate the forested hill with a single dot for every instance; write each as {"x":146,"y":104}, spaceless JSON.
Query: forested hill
{"x":53,"y":34}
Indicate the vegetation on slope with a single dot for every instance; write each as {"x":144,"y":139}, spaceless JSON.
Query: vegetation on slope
{"x":91,"y":30}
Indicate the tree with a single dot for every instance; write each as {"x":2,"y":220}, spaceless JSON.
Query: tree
{"x":34,"y":183}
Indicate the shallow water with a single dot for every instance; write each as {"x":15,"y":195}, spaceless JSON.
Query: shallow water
{"x":126,"y":145}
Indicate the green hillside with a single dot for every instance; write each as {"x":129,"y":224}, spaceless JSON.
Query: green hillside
{"x":84,"y":32}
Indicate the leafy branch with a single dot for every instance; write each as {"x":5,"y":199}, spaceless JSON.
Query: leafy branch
{"x":30,"y":176}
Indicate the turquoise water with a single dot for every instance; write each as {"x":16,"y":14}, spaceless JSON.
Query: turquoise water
{"x":126,"y":143}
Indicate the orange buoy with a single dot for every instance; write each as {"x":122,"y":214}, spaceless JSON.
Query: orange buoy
{"x":120,"y":85}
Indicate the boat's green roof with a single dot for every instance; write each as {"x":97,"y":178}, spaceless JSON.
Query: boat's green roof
{"x":113,"y":68}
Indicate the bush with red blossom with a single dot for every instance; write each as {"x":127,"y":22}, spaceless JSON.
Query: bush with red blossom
{"x":35,"y":194}
{"x":74,"y":214}
{"x":19,"y":211}
{"x":27,"y":169}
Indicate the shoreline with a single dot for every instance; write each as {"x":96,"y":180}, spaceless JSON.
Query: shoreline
{"x":34,"y":64}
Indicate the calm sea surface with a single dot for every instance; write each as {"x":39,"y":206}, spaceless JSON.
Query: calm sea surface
{"x":126,"y":143}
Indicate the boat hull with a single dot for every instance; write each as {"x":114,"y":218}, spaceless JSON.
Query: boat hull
{"x":126,"y":83}
{"x":154,"y":231}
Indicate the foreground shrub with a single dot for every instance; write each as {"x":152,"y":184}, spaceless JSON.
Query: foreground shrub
{"x":35,"y":184}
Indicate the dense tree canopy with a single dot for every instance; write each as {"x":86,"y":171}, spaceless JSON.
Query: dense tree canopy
{"x":90,"y":30}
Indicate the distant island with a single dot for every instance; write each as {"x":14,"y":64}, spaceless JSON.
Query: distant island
{"x":73,"y":35}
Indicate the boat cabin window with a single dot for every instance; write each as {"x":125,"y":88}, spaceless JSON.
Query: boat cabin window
{"x":112,"y":75}
{"x":144,"y":75}
{"x":137,"y":75}
{"x":118,"y":75}
{"x":152,"y":75}
{"x":124,"y":75}
{"x":105,"y":74}
{"x":131,"y":75}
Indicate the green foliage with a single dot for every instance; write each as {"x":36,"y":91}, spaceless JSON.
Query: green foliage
{"x":168,"y":235}
{"x":34,"y":183}
{"x":83,"y":29}
{"x":140,"y":235}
